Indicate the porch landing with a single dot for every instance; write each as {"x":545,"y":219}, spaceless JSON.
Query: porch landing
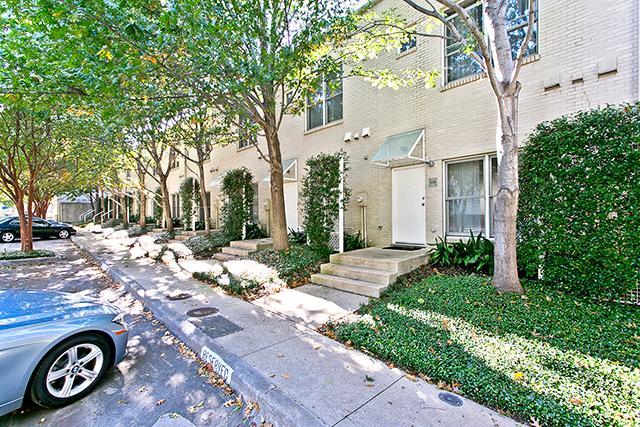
{"x":368,"y":271}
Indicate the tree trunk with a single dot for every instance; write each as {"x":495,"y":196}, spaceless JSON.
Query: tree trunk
{"x":166,"y":205}
{"x":143,"y":209}
{"x":125,"y":212}
{"x":26,"y":225}
{"x":203,"y":198}
{"x":279,"y":219}
{"x":505,"y":277}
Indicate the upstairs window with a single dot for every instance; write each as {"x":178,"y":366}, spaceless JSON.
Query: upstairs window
{"x":324,"y":106}
{"x":459,"y":64}
{"x":410,"y":43}
{"x":174,"y":161}
{"x":246,"y":136}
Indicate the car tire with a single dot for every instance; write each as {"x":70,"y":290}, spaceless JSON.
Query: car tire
{"x":64,"y":234}
{"x":7,"y":237}
{"x":60,"y":380}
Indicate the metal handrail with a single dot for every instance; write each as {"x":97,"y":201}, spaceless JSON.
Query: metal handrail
{"x":83,"y":217}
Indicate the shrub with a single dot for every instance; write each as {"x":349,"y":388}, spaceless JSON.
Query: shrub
{"x":133,"y":218}
{"x":320,"y":197}
{"x":150,"y":220}
{"x":189,"y":190}
{"x":297,"y":237}
{"x":163,"y":237}
{"x":203,"y":247}
{"x":157,"y":206}
{"x":37,"y":253}
{"x":254,"y":230}
{"x":294,"y":265}
{"x":137,"y":231}
{"x":579,"y":202}
{"x":245,"y":278}
{"x":112,"y":223}
{"x":475,"y":254}
{"x":353,"y":242}
{"x":237,"y":192}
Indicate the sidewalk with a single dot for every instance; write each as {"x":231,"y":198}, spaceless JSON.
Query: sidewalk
{"x":298,"y":376}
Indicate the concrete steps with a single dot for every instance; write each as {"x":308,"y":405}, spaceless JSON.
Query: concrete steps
{"x":253,"y":245}
{"x":368,"y":271}
{"x":359,"y":287}
{"x":381,"y":277}
{"x":224,"y":257}
{"x":236,"y":251}
{"x":244,"y":248}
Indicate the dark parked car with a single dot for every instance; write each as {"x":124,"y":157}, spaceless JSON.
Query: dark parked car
{"x":10,"y":229}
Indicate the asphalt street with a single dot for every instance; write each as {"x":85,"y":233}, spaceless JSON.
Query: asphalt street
{"x":158,"y":383}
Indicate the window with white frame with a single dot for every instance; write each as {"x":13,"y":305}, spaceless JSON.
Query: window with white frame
{"x":410,"y":42}
{"x":324,"y":106}
{"x":470,"y":187}
{"x":246,"y":134}
{"x":174,"y":160}
{"x":459,"y":64}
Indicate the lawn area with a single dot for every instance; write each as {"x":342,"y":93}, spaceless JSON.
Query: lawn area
{"x":543,"y":357}
{"x":37,"y":253}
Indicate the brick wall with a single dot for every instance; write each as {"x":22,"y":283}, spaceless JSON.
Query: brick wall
{"x":577,"y":38}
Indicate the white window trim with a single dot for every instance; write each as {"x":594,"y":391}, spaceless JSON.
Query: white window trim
{"x":325,"y":111}
{"x":471,"y":77}
{"x":486,"y":176}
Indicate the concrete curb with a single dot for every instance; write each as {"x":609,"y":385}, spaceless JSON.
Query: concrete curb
{"x":275,"y":406}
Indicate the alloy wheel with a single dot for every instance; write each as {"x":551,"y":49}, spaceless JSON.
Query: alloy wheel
{"x":7,"y":237}
{"x":74,"y":370}
{"x":63,"y":234}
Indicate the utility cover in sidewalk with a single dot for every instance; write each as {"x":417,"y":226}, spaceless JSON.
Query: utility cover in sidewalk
{"x":451,"y":399}
{"x":216,"y":326}
{"x":178,"y":297}
{"x":202,"y":311}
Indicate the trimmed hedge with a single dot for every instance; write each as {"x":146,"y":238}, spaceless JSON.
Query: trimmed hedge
{"x":36,"y":253}
{"x":579,"y":208}
{"x":204,"y":247}
{"x":295,"y":265}
{"x":546,"y":356}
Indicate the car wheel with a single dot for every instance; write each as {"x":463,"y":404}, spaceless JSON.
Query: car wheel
{"x":7,"y":237}
{"x":70,"y":371}
{"x":64,"y":234}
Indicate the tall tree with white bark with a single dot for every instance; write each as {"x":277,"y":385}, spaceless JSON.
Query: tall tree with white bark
{"x":488,"y":44}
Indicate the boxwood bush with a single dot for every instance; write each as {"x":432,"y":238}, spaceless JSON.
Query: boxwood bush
{"x":579,"y":202}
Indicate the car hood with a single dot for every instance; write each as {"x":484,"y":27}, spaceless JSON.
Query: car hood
{"x":24,"y":307}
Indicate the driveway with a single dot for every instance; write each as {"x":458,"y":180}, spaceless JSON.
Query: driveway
{"x":158,"y":377}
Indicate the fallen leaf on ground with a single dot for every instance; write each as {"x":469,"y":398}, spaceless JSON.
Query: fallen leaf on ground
{"x":160,"y":402}
{"x":280,"y":354}
{"x":195,"y":408}
{"x":285,"y":376}
{"x":369,"y":379}
{"x":143,"y":389}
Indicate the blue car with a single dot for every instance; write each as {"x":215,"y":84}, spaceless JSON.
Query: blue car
{"x":55,"y":347}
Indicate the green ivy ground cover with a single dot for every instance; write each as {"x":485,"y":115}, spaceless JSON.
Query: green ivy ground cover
{"x":39,"y":253}
{"x":544,"y":357}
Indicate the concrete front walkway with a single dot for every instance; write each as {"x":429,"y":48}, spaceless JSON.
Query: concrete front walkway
{"x":298,"y":376}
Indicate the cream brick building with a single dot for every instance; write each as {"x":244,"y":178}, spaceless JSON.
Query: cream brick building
{"x":586,"y":56}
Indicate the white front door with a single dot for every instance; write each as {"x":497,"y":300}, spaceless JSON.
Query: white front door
{"x":409,"y":211}
{"x":291,"y":204}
